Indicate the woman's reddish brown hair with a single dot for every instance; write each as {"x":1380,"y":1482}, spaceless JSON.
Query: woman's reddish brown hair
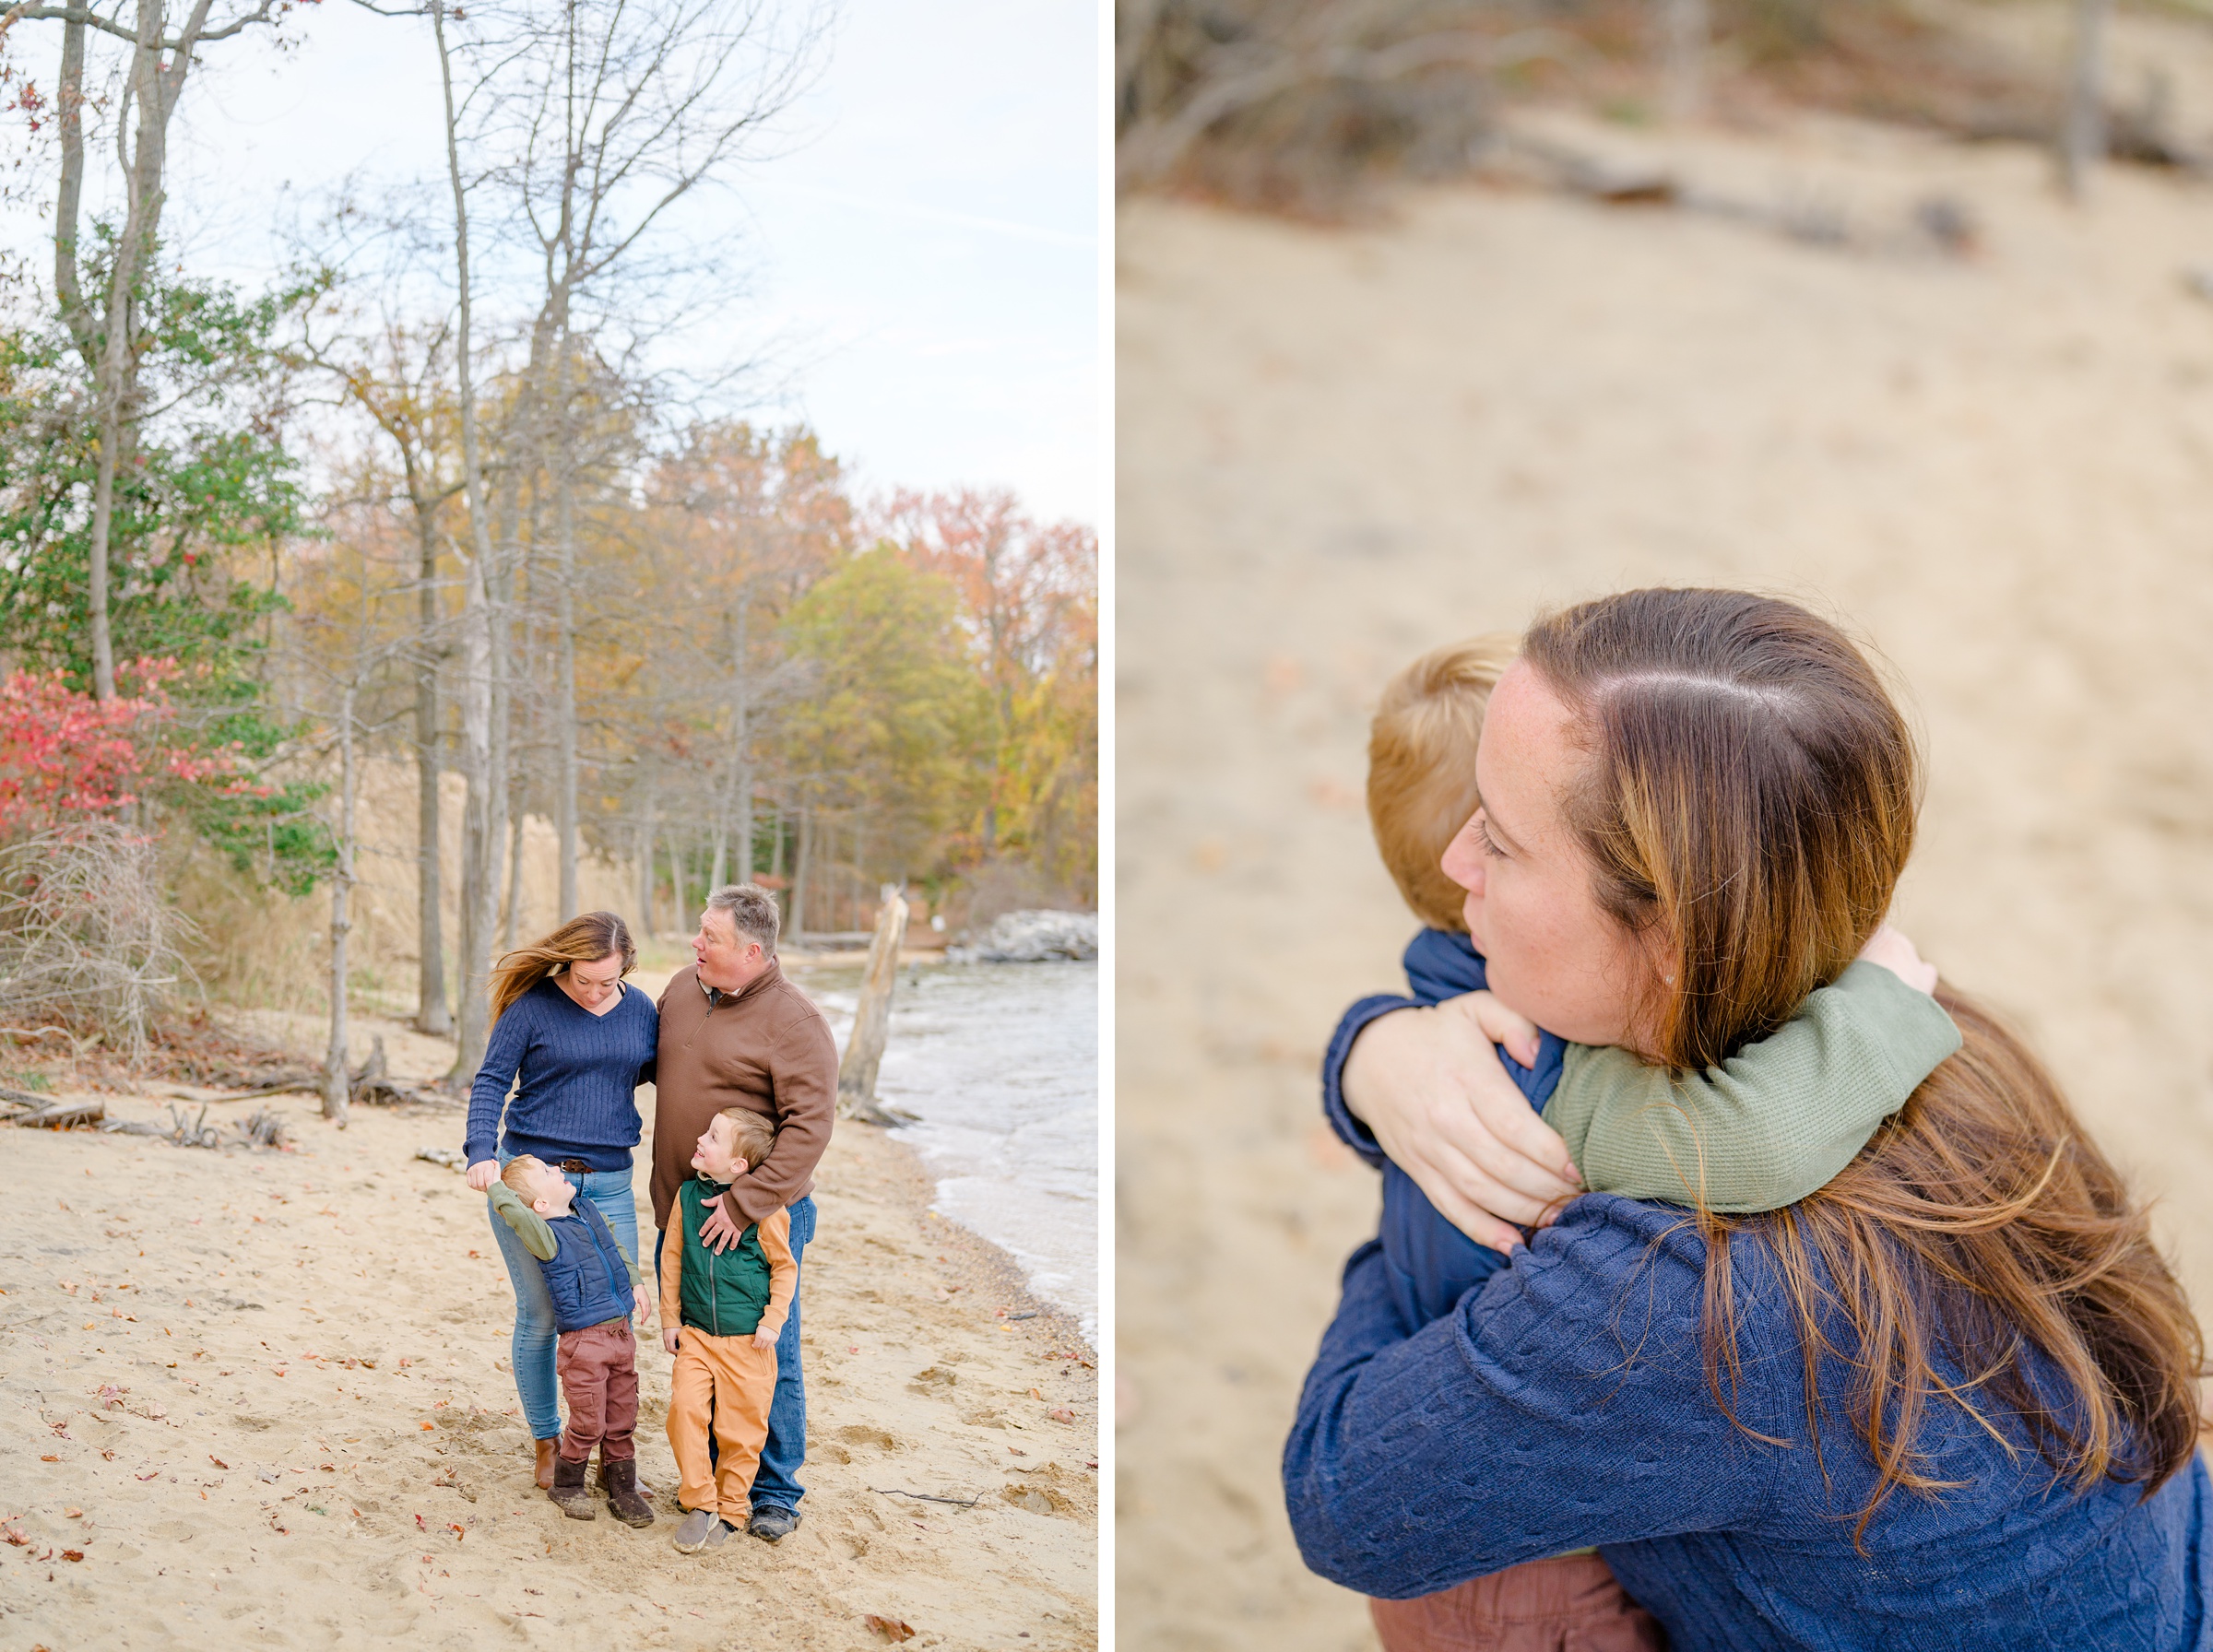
{"x":582,"y":939}
{"x":1749,"y":804}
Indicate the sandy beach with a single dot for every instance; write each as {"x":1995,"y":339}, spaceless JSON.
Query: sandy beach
{"x":1339,"y":448}
{"x":260,"y":1398}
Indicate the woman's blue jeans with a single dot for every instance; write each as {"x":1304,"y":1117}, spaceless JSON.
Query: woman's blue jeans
{"x":535,"y":1381}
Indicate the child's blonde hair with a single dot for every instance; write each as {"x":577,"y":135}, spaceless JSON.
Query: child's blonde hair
{"x":516,"y":1174}
{"x":752,"y":1136}
{"x":1421,"y":767}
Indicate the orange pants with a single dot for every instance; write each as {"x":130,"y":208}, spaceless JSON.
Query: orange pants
{"x":1570,"y":1603}
{"x":731,"y":1381}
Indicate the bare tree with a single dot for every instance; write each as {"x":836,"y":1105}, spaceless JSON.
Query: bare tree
{"x":396,"y":376}
{"x":613,"y":113}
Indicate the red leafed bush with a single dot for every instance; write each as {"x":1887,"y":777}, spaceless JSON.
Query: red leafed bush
{"x":65,"y":756}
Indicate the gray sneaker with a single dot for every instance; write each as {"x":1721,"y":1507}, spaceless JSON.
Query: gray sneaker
{"x":702,"y":1528}
{"x":772,"y":1524}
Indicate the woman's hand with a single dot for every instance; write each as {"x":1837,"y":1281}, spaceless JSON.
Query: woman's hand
{"x":482,"y":1174}
{"x":1429,"y":1085}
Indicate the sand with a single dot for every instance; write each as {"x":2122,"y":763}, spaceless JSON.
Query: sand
{"x":1340,"y":448}
{"x":264,"y":1395}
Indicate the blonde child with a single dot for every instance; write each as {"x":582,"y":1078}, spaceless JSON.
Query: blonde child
{"x":591,"y":1283}
{"x":720,"y":1316}
{"x":1771,"y":1125}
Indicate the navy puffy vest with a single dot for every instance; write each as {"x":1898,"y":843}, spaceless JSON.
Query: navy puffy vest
{"x":588,"y":1276}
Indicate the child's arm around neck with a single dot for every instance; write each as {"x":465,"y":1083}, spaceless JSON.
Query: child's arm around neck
{"x":1770,"y":1126}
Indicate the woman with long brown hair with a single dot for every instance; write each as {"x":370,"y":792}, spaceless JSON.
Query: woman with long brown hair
{"x":573,"y":1044}
{"x":1948,"y":1402}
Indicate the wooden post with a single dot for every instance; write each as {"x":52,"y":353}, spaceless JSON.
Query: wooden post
{"x":871,"y":1021}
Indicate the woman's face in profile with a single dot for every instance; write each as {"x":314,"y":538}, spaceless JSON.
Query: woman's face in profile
{"x":1551,"y":951}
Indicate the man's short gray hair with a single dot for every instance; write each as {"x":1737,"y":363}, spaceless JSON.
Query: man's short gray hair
{"x":752,"y":911}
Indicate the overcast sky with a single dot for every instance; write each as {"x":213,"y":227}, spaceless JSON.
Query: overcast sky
{"x":926,"y":259}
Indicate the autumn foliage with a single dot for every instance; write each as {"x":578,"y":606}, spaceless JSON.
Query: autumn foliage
{"x":65,"y":756}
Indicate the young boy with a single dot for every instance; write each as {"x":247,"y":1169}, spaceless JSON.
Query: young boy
{"x":1768,"y":1127}
{"x":590,"y":1280}
{"x":720,"y":1316}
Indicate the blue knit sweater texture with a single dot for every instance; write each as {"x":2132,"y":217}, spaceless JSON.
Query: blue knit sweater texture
{"x":1566,"y":1403}
{"x":578,"y":1073}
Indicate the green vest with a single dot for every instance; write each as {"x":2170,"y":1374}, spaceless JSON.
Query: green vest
{"x":722,"y":1295}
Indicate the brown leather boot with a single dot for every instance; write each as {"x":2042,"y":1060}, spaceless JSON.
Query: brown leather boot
{"x":623,"y":1499}
{"x":547,"y":1451}
{"x":568,"y":1489}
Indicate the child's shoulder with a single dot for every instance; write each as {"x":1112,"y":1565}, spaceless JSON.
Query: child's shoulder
{"x":1443,"y":963}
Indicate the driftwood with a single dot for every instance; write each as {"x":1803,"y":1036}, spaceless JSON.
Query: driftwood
{"x":872,"y":1019}
{"x":60,"y":1116}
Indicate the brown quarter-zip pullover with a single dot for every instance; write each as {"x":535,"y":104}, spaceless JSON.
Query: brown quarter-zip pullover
{"x":765,"y":1047}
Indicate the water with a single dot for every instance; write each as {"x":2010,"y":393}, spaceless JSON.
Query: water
{"x":999,"y":1063}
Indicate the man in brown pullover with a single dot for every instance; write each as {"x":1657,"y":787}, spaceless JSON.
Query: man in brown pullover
{"x":736,"y":1033}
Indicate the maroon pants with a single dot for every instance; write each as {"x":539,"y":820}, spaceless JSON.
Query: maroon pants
{"x":599,"y":1368}
{"x":1566,"y":1604}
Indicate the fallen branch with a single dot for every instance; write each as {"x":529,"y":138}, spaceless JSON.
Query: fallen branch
{"x":925,"y":1497}
{"x":60,"y":1116}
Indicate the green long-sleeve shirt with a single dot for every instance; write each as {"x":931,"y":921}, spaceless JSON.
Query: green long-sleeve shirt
{"x":1771,"y":1125}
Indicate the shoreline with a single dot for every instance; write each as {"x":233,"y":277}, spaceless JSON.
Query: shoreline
{"x":289,"y":1417}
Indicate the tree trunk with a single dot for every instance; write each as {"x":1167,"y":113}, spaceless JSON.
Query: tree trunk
{"x":675,"y":881}
{"x":514,"y":878}
{"x":2082,"y":142}
{"x":741,"y":768}
{"x":431,"y":1014}
{"x":564,"y":670}
{"x":871,"y":1022}
{"x":802,"y":856}
{"x":647,"y":880}
{"x":1686,"y":27}
{"x":486,"y":787}
{"x":341,"y":899}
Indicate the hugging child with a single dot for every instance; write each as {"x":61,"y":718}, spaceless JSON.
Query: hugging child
{"x":1766,"y":1128}
{"x":720,"y":1316}
{"x":590,"y":1281}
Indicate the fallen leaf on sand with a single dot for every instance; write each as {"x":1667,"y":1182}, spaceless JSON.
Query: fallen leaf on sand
{"x":49,"y":1459}
{"x":73,"y":1514}
{"x":14,"y":1536}
{"x":216,"y":1460}
{"x":73,"y":1555}
{"x":1061,"y":1413}
{"x":891,"y":1629}
{"x":1036,"y":1393}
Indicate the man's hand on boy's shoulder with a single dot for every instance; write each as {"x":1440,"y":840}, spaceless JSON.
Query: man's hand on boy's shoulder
{"x":718,"y":1233}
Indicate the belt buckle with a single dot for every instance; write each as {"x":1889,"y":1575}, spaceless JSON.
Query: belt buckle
{"x":575,"y":1167}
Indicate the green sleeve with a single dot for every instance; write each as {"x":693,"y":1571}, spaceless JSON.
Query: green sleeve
{"x":1770,"y":1126}
{"x":528,"y":1225}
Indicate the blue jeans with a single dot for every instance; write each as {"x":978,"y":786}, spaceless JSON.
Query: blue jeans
{"x":776,"y":1481}
{"x":536,"y":1333}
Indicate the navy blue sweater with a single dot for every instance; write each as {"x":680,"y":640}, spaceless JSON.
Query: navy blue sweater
{"x":578,"y":1072}
{"x":1566,"y":1403}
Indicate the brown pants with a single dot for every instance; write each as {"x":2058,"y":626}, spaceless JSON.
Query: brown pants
{"x":730,"y":1379}
{"x":1567,"y":1604}
{"x":598,"y":1367}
